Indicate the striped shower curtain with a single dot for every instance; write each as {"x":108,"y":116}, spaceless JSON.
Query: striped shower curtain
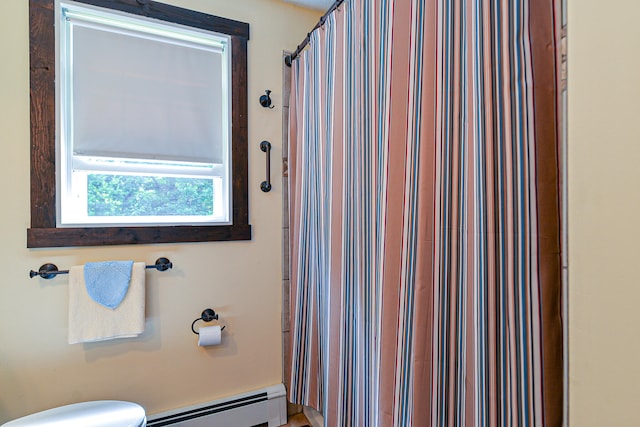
{"x":425,"y":235}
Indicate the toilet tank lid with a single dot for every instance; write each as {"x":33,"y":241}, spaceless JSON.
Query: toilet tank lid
{"x":100,"y":413}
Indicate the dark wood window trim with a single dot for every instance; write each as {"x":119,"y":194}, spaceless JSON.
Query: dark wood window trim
{"x":43,"y":231}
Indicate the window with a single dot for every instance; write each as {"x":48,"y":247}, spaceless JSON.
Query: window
{"x":139,"y":129}
{"x":143,"y":126}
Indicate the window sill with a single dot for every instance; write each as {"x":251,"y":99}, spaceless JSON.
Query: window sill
{"x":67,"y":237}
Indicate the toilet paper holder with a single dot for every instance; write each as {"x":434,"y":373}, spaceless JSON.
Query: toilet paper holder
{"x":208,"y":315}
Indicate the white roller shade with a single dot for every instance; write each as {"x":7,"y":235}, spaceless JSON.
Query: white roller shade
{"x":135,"y":95}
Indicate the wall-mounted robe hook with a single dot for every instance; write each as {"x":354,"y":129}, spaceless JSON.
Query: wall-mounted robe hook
{"x":266,"y":185}
{"x":265,"y":100}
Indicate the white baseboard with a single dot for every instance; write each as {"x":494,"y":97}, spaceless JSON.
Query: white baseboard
{"x":268,"y":405}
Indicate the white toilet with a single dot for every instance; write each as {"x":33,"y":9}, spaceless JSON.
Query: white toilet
{"x":100,"y":413}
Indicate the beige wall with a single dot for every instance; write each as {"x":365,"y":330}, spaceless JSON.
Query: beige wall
{"x":164,"y":368}
{"x":604,"y":207}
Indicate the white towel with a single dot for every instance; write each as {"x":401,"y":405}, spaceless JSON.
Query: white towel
{"x":90,"y":321}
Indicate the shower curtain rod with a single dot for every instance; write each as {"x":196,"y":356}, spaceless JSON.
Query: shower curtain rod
{"x":289,"y":58}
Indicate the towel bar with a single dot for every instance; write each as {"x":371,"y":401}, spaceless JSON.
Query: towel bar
{"x":49,"y":271}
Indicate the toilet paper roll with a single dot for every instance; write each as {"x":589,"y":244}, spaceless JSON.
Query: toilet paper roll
{"x":209,"y":335}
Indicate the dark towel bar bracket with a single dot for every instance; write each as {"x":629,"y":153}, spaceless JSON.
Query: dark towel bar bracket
{"x":49,"y":271}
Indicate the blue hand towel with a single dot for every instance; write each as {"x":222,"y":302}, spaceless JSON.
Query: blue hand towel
{"x":108,"y":282}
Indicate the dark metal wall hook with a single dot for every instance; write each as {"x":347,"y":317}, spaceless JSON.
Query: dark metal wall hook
{"x":265,"y":100}
{"x":266,"y":185}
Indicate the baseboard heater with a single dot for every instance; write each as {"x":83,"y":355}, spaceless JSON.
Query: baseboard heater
{"x":266,"y":406}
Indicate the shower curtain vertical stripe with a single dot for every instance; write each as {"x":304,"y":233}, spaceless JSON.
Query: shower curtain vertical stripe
{"x":423,"y":178}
